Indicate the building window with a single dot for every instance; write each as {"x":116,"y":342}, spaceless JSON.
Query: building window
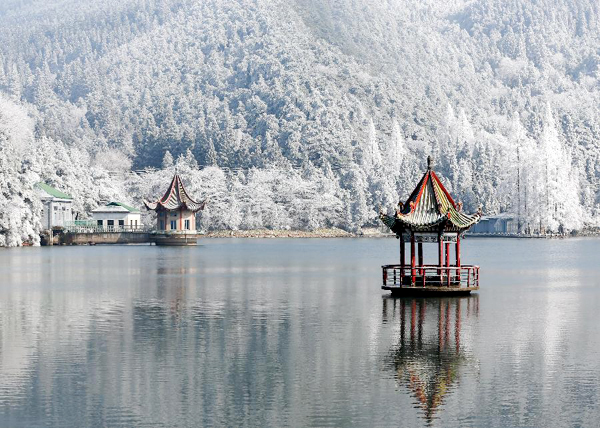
{"x":161,"y":225}
{"x":100,"y":222}
{"x":55,"y":208}
{"x":110,"y":222}
{"x":173,"y":224}
{"x":121,"y":222}
{"x":187,"y":225}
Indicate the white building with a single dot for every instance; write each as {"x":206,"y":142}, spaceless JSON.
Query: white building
{"x":116,"y":215}
{"x":57,"y":206}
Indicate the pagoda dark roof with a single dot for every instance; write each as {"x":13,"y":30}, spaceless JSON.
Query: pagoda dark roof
{"x":175,"y":198}
{"x":430,"y":208}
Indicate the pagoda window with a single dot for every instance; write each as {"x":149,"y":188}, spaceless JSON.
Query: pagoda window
{"x":121,"y":222}
{"x":173,"y":224}
{"x":161,"y":225}
{"x":110,"y":222}
{"x":187,"y":225}
{"x":100,"y":222}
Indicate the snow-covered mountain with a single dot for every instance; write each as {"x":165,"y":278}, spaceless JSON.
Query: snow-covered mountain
{"x":308,"y":113}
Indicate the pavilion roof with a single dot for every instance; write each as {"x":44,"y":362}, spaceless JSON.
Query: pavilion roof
{"x":430,"y":208}
{"x":175,"y":198}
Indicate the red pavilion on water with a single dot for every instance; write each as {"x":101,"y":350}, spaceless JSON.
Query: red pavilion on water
{"x":430,"y":215}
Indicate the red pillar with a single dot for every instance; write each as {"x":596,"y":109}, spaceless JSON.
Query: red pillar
{"x":402,"y":256}
{"x":413,"y":271}
{"x":440,"y":256}
{"x":457,"y":251}
{"x":448,"y":262}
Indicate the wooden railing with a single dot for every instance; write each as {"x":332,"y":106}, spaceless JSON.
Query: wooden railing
{"x":466,"y":276}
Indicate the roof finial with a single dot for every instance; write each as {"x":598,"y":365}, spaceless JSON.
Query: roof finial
{"x":429,"y":160}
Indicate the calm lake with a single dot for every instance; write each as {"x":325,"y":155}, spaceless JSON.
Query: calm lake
{"x":296,"y":332}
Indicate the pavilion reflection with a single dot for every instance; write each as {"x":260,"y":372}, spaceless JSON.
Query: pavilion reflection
{"x":430,"y":355}
{"x":166,"y":309}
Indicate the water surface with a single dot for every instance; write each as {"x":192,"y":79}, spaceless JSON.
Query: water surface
{"x":294,"y":332}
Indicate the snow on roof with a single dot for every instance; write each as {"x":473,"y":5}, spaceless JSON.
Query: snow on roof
{"x":175,"y":197}
{"x":430,"y":207}
{"x":52,"y":191}
{"x":112,"y":207}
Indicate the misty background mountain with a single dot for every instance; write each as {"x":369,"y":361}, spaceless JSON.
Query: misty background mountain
{"x":301,"y":113}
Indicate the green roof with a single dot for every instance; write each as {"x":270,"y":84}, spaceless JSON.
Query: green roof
{"x":53,"y":192}
{"x":127,"y":207}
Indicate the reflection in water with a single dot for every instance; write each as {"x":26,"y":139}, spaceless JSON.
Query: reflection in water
{"x":273,"y":333}
{"x":429,"y":357}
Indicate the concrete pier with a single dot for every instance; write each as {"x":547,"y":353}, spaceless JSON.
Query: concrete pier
{"x":95,"y":236}
{"x":74,"y":238}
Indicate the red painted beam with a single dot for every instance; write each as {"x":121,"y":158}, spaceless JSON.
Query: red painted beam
{"x":413,"y":271}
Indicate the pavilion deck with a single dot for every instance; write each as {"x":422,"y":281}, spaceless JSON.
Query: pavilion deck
{"x":430,"y":279}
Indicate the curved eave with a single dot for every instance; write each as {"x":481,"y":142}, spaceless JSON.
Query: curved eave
{"x":399,"y":223}
{"x":151,"y":205}
{"x":408,"y":223}
{"x":455,"y":222}
{"x":194,"y":207}
{"x":463,"y":221}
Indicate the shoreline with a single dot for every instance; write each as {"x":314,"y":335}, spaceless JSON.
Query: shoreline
{"x":267,"y":233}
{"x":365,"y":233}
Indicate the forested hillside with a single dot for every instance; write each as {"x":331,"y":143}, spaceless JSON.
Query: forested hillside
{"x":302,"y":113}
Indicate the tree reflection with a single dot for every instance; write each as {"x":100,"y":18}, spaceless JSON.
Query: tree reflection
{"x":429,"y":356}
